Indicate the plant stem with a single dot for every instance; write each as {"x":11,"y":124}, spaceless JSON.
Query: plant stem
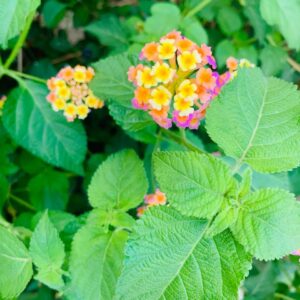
{"x":182,"y":141}
{"x":20,"y":41}
{"x":27,"y":76}
{"x":283,"y":297}
{"x":22,"y":202}
{"x":197,"y":8}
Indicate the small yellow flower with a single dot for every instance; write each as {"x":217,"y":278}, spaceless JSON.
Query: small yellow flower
{"x":160,"y":97}
{"x":187,"y":90}
{"x":64,"y":93}
{"x":70,"y":112}
{"x":185,"y":107}
{"x":92,"y":101}
{"x":59,"y":104}
{"x":166,"y":49}
{"x":59,"y":83}
{"x":188,"y":61}
{"x":245,"y":63}
{"x":80,"y":74}
{"x":82,"y":111}
{"x":145,"y":78}
{"x":163,"y":73}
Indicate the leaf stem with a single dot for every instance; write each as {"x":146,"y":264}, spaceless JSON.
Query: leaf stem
{"x":20,"y":41}
{"x":197,"y":8}
{"x":27,"y":76}
{"x":182,"y":141}
{"x":22,"y":202}
{"x":282,"y":296}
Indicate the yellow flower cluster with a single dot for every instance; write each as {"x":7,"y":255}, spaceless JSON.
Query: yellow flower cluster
{"x":69,"y":92}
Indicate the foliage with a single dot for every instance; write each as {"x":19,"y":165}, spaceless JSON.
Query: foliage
{"x":73,"y":224}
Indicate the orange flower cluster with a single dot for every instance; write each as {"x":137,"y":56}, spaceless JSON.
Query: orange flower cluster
{"x":69,"y":92}
{"x":2,"y":101}
{"x":158,"y":198}
{"x":178,"y":83}
{"x":233,"y":64}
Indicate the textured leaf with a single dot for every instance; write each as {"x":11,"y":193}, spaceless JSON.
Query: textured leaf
{"x":47,"y":252}
{"x":245,"y":184}
{"x":256,"y":120}
{"x":32,"y":123}
{"x":109,"y":31}
{"x":120,"y":182}
{"x":15,"y":265}
{"x":168,"y":258}
{"x":13,"y":15}
{"x":49,"y":190}
{"x":286,"y":16}
{"x":229,"y":20}
{"x":192,"y":29}
{"x":95,"y":263}
{"x":268,"y":223}
{"x":195,"y":184}
{"x":111,"y":81}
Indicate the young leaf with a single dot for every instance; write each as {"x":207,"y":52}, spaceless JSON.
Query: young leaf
{"x":15,"y":265}
{"x":256,"y":120}
{"x":195,"y":184}
{"x":268,"y":223}
{"x":32,"y":123}
{"x":245,"y":185}
{"x":49,"y":190}
{"x":120,"y":182}
{"x":47,"y":252}
{"x":95,"y":262}
{"x":168,"y":258}
{"x":13,"y":15}
{"x":285,"y":15}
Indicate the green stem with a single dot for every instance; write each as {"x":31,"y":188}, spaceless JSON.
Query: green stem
{"x":283,"y":297}
{"x":20,"y":41}
{"x":197,"y":8}
{"x":182,"y":141}
{"x":27,"y":76}
{"x":22,"y":202}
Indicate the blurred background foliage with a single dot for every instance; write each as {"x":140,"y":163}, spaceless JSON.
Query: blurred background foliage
{"x":82,"y":32}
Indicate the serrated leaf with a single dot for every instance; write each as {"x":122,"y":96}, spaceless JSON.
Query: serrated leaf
{"x":256,"y":120}
{"x":195,"y":184}
{"x":111,"y":81}
{"x":48,"y":254}
{"x":245,"y":184}
{"x":31,"y":122}
{"x":268,"y":224}
{"x":120,"y":182}
{"x":49,"y":190}
{"x":169,"y":249}
{"x":286,"y":16}
{"x":13,"y":15}
{"x":95,"y":263}
{"x":15,"y":265}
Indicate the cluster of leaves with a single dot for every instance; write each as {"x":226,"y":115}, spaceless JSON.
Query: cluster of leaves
{"x":67,"y":225}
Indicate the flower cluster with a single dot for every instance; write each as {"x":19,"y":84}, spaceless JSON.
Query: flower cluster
{"x":69,"y":92}
{"x":158,"y":198}
{"x":178,"y":82}
{"x":2,"y":101}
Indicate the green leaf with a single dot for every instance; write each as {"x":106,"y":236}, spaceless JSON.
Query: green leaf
{"x":195,"y":184}
{"x":229,"y":20}
{"x":95,"y":263}
{"x":245,"y":184}
{"x":13,"y":16}
{"x":256,"y":120}
{"x":270,"y":54}
{"x":53,"y":11}
{"x":119,"y":183}
{"x":286,"y":16}
{"x":109,"y":31}
{"x":4,"y":190}
{"x":111,"y":81}
{"x":169,"y":250}
{"x":49,"y":190}
{"x":48,"y":254}
{"x":15,"y":265}
{"x":192,"y":29}
{"x":224,"y":50}
{"x":32,"y":123}
{"x":268,"y":224}
{"x":165,"y":18}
